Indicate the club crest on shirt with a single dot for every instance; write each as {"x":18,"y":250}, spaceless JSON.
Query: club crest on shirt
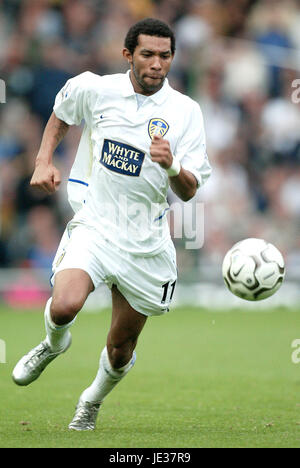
{"x":121,"y":158}
{"x":157,"y":127}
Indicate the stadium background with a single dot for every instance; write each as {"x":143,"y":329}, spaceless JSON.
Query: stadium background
{"x":238,"y":59}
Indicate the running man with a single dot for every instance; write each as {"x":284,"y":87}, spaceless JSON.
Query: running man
{"x":139,"y":137}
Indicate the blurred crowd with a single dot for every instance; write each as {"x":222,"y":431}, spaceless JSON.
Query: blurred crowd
{"x":238,"y":58}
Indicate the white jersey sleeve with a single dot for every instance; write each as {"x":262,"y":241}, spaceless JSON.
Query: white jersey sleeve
{"x":71,"y":103}
{"x":191,"y":149}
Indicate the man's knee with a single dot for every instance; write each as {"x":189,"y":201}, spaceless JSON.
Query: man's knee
{"x":65,"y":308}
{"x":71,"y":289}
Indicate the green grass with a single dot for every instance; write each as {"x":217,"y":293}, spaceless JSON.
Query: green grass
{"x":202,"y":379}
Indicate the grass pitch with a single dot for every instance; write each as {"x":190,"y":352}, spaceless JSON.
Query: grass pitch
{"x":202,"y":379}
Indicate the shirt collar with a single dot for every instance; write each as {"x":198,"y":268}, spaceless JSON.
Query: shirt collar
{"x":157,"y":97}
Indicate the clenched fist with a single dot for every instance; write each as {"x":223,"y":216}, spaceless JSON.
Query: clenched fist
{"x":46,"y":177}
{"x":160,"y":152}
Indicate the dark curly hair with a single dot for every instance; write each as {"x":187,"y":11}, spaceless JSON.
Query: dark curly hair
{"x":150,"y":27}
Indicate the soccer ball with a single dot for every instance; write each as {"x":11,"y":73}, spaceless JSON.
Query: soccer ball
{"x":253,"y":269}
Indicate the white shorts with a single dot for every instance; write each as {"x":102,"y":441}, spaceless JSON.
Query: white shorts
{"x":147,"y":283}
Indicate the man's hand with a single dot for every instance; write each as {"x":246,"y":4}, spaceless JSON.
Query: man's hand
{"x":185,"y":183}
{"x":160,"y":152}
{"x":46,"y":177}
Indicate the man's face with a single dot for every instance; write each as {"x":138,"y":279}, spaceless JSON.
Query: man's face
{"x":150,"y":63}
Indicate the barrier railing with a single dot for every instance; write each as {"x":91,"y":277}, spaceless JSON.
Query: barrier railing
{"x":29,"y":289}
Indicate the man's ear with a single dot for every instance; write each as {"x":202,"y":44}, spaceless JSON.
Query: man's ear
{"x":127,"y":55}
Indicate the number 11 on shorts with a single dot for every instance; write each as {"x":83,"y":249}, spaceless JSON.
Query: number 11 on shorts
{"x":166,"y":290}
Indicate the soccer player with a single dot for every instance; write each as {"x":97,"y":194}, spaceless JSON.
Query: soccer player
{"x":139,"y":137}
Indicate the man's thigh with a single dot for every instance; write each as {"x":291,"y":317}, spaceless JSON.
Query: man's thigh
{"x":72,"y":286}
{"x":126,"y":322}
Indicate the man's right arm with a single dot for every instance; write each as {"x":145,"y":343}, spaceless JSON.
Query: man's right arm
{"x":46,"y":176}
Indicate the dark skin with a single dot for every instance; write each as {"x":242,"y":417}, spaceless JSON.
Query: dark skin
{"x":150,"y":64}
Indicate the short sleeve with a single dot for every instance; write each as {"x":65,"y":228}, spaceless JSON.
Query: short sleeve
{"x":71,"y":101}
{"x":191,"y":148}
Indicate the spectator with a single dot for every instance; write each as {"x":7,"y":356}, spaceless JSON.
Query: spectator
{"x":238,"y":59}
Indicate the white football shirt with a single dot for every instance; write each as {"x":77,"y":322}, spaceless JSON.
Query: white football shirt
{"x":114,"y":186}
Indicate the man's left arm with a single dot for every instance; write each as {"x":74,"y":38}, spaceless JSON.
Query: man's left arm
{"x":182,"y":181}
{"x":189,"y":168}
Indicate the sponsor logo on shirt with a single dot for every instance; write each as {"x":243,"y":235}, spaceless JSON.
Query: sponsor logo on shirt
{"x":121,"y":158}
{"x":157,"y":127}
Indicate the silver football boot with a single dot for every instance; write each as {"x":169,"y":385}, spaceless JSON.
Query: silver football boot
{"x":85,"y":416}
{"x":30,"y":366}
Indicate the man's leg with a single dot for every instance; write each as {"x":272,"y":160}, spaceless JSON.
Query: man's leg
{"x":116,"y":359}
{"x":71,"y":289}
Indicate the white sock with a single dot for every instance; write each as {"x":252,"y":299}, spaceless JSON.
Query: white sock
{"x":106,"y":379}
{"x":57,"y":335}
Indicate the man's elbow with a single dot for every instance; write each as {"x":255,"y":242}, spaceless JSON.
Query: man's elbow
{"x":187,"y":196}
{"x":190,"y":189}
